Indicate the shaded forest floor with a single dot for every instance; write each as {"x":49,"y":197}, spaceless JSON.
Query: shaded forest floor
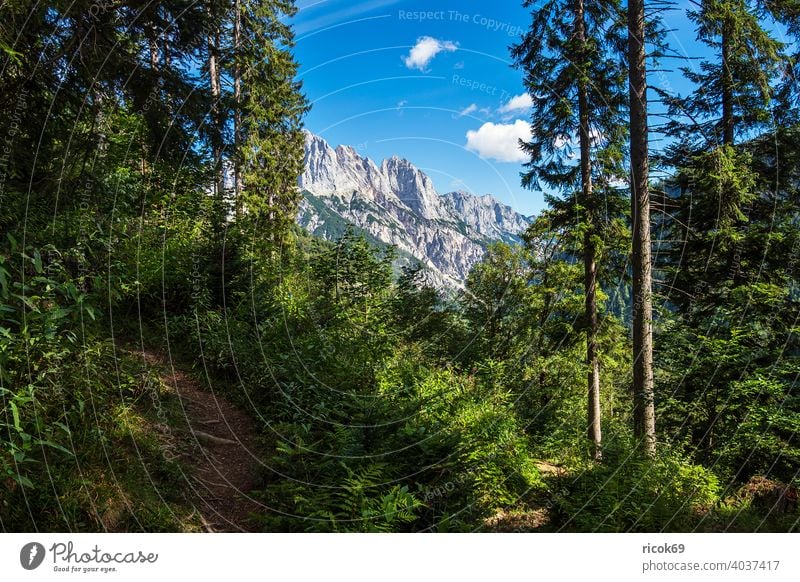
{"x":535,"y":519}
{"x":216,"y":444}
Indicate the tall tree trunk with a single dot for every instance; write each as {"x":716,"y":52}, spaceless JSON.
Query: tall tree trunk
{"x":219,"y":211}
{"x":643,"y":396}
{"x":589,"y":251}
{"x":237,"y":114}
{"x":152,"y":45}
{"x":216,"y":116}
{"x":727,"y":83}
{"x":167,"y":94}
{"x":592,"y":356}
{"x":152,"y":41}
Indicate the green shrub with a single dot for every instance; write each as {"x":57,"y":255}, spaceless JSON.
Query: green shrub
{"x":628,"y":493}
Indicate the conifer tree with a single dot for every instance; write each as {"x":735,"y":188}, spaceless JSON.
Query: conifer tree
{"x":741,"y":92}
{"x":735,"y":87}
{"x":729,"y":227}
{"x":571,"y":56}
{"x":272,"y":108}
{"x":642,"y":309}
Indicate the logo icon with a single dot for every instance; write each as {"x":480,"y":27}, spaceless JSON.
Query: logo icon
{"x":31,"y":555}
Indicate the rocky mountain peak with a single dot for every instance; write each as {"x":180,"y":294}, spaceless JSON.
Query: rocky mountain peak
{"x":412,"y":187}
{"x":486,"y":215}
{"x":396,"y":203}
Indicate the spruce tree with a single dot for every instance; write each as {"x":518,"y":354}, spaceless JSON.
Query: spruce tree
{"x":730,"y":228}
{"x":571,"y":56}
{"x":741,"y":93}
{"x":735,"y":87}
{"x":642,"y":309}
{"x":272,"y":109}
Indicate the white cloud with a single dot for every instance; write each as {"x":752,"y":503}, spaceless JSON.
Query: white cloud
{"x":500,"y":141}
{"x":467,"y":110}
{"x":573,"y":141}
{"x":562,"y":140}
{"x":426,"y":48}
{"x":517,"y":104}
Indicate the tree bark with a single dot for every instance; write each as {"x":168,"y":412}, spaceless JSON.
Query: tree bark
{"x":727,"y":84}
{"x":216,"y":116}
{"x":152,"y":41}
{"x":152,"y":44}
{"x":237,"y":114}
{"x":589,"y":251}
{"x":592,"y":356}
{"x":643,"y":394}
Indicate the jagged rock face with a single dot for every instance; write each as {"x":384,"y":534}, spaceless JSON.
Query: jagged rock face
{"x":342,"y":170}
{"x":413,"y":188}
{"x":486,"y":215}
{"x":397,"y":204}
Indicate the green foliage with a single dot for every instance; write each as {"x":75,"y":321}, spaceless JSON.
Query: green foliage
{"x":272,"y":108}
{"x":41,"y":305}
{"x":627,"y":493}
{"x":63,"y":396}
{"x":365,"y":425}
{"x":496,"y":301}
{"x":726,"y":356}
{"x":485,"y":464}
{"x":559,"y":65}
{"x":385,"y":406}
{"x":733,"y":402}
{"x":734,"y":92}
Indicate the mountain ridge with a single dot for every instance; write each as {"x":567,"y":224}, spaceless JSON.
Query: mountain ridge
{"x":397,"y":204}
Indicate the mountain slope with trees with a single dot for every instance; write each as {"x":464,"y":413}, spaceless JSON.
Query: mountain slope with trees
{"x":396,"y":204}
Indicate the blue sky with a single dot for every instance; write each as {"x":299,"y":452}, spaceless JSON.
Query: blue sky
{"x":428,"y":81}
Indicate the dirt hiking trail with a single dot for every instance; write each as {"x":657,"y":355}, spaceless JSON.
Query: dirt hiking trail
{"x":219,"y":449}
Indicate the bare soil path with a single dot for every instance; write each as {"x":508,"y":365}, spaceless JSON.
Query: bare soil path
{"x":219,"y":448}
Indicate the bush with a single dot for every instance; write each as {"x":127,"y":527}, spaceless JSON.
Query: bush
{"x":73,"y":441}
{"x":627,"y":493}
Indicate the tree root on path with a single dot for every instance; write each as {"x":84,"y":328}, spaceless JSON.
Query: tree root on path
{"x":211,"y":439}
